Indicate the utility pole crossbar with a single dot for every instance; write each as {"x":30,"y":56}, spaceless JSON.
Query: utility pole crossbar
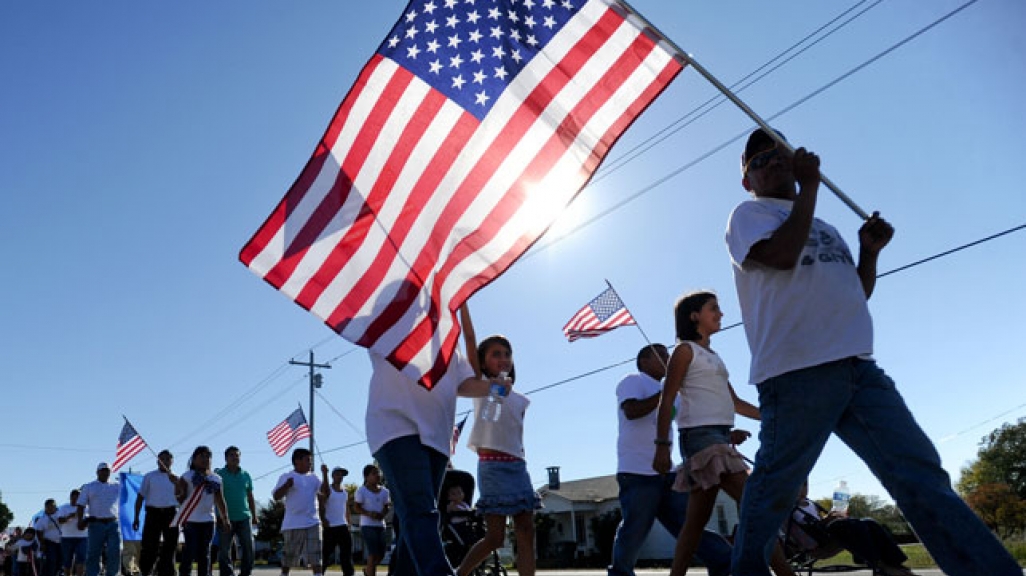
{"x":315,"y":382}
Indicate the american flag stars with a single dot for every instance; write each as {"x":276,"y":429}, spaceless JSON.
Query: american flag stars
{"x":471,"y":49}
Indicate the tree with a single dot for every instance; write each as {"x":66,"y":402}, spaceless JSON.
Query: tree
{"x":994,"y":485}
{"x":604,"y":528}
{"x":999,"y":508}
{"x":1001,"y":460}
{"x":543,"y":524}
{"x":5,"y":516}
{"x":269,"y":520}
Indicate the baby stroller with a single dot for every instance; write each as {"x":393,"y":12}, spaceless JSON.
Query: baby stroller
{"x":461,"y":529}
{"x":808,"y":539}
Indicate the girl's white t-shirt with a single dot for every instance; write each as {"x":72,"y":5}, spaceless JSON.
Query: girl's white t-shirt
{"x":505,"y":434}
{"x":372,"y":501}
{"x":204,"y":511}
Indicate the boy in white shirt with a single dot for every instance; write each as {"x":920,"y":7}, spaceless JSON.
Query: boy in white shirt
{"x":301,"y":524}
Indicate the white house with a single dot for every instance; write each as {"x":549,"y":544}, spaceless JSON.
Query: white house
{"x":574,"y":503}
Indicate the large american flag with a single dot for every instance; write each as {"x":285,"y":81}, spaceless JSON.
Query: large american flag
{"x":291,"y":430}
{"x":130,"y":443}
{"x":606,"y":312}
{"x":473,"y":125}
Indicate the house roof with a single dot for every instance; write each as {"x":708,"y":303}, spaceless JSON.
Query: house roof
{"x":598,"y":489}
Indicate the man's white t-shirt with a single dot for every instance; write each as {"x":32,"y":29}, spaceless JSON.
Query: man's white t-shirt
{"x":47,"y":528}
{"x":397,"y":406}
{"x":100,"y":499}
{"x":635,"y":445}
{"x":805,"y":316}
{"x":372,"y":501}
{"x":69,"y":528}
{"x":300,"y":500}
{"x":158,"y":490}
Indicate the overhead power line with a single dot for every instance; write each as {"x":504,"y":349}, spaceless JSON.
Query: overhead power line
{"x":673,"y":173}
{"x":744,"y":83}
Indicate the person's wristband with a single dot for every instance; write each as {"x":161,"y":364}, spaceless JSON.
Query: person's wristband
{"x":661,"y":442}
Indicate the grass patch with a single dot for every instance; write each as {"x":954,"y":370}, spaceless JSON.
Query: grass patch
{"x":918,"y":557}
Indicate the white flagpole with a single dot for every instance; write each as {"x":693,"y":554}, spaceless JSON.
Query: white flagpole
{"x":638,"y":324}
{"x":688,"y":59}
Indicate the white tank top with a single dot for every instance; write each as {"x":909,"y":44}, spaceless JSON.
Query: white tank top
{"x":335,"y":508}
{"x":507,"y":433}
{"x":705,"y":396}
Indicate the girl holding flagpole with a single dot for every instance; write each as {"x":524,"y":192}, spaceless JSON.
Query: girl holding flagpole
{"x":705,"y":422}
{"x":199,"y":493}
{"x":502,"y":477}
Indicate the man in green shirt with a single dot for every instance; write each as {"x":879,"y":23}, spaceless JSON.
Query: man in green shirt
{"x":237,"y":487}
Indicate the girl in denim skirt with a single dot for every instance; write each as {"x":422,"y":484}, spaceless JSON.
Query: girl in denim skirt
{"x":705,"y":421}
{"x":502,"y":478}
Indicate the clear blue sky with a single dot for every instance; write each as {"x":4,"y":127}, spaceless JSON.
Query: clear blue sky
{"x":142,"y":144}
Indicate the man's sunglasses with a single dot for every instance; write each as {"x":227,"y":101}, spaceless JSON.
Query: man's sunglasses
{"x":761,"y":159}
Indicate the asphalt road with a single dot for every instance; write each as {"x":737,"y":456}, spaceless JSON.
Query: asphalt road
{"x":269,"y":570}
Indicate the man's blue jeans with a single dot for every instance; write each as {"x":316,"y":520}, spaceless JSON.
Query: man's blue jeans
{"x":414,"y":473}
{"x":856,"y":400}
{"x":643,"y":500}
{"x":243,"y":531}
{"x":100,"y":534}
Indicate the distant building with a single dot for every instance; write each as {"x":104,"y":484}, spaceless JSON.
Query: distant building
{"x":573,"y":504}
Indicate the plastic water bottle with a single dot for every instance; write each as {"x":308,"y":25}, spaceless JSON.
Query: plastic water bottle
{"x":493,"y":405}
{"x":841,"y":498}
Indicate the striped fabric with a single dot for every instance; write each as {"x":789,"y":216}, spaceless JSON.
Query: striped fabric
{"x":470,"y":129}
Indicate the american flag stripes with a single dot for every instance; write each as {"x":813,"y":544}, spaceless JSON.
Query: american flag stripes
{"x":130,"y":443}
{"x":473,"y":125}
{"x":291,"y":430}
{"x":606,"y":312}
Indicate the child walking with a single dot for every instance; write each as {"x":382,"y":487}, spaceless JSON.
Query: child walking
{"x":372,"y":502}
{"x":704,"y":422}
{"x":505,"y":486}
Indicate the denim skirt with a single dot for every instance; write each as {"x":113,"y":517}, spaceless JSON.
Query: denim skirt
{"x":505,"y":488}
{"x":708,"y":455}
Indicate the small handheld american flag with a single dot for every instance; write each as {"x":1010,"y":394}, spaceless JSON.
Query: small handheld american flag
{"x":130,"y":443}
{"x":291,"y":430}
{"x":606,"y":312}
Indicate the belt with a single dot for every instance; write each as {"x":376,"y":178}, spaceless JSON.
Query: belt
{"x":497,"y":457}
{"x":102,"y":520}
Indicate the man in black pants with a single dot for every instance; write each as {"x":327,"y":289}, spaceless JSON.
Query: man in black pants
{"x":159,"y":535}
{"x":335,"y":519}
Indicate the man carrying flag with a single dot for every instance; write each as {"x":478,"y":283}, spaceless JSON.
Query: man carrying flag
{"x":804,"y":304}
